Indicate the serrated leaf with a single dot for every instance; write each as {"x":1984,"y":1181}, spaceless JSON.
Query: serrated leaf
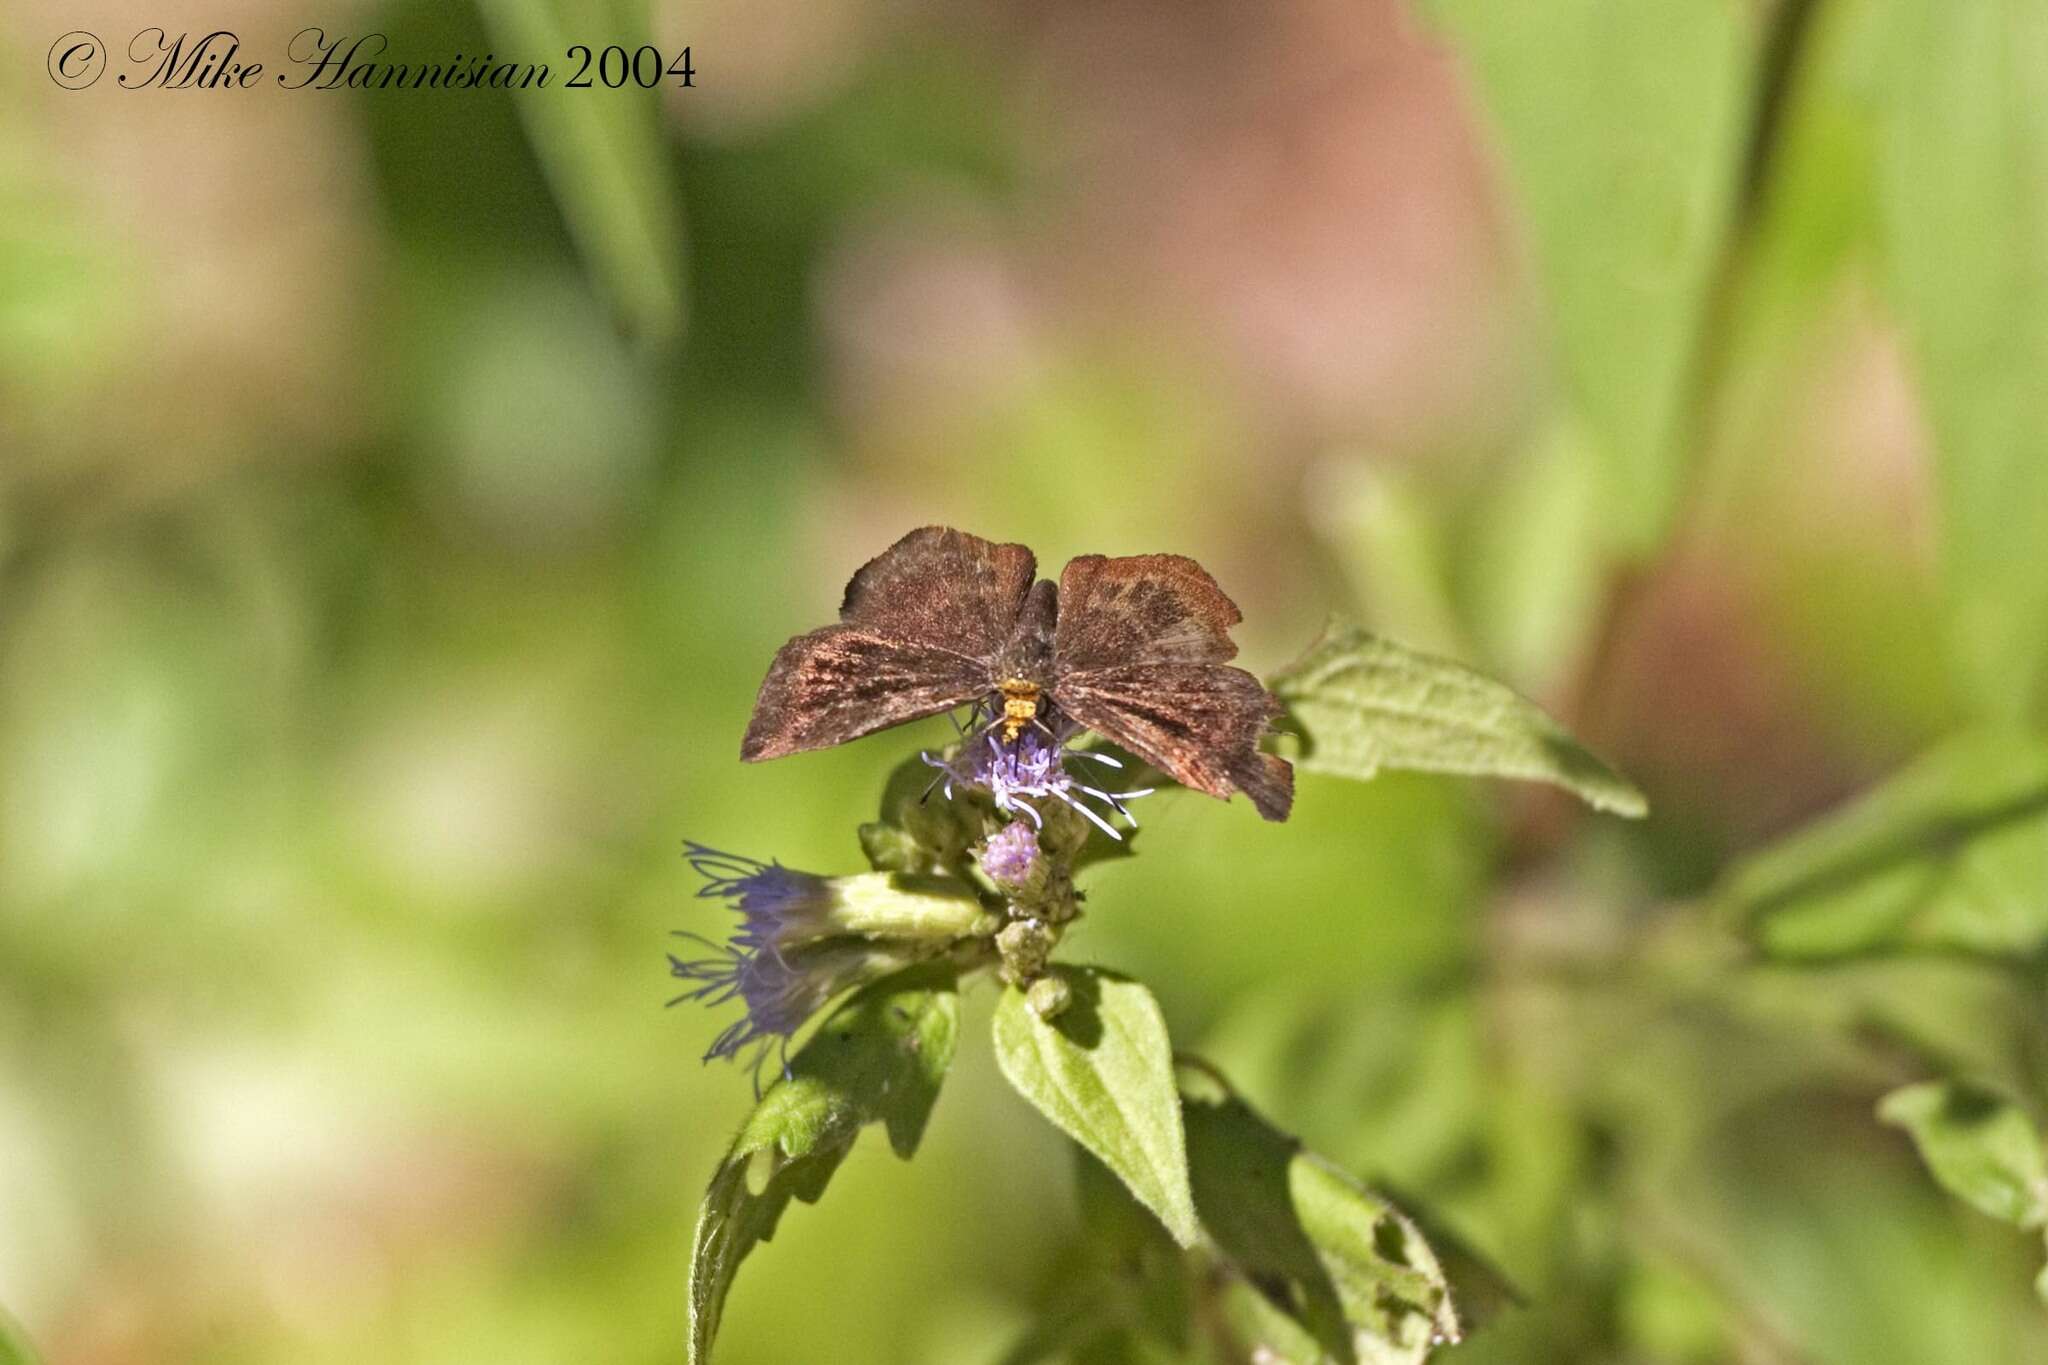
{"x":1964,"y":197}
{"x":1620,"y":125}
{"x":1949,"y":855}
{"x":1355,"y":1273}
{"x":1978,"y":1144}
{"x":1362,"y":703}
{"x":878,"y":1058}
{"x":1102,"y":1072}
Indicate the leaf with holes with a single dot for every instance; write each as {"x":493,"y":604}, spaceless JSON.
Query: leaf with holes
{"x":1979,"y":1145}
{"x":1348,"y":1268}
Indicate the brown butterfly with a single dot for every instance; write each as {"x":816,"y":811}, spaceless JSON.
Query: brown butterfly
{"x":1133,"y":648}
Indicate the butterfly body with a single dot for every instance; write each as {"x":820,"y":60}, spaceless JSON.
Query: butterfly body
{"x":1133,"y":648}
{"x":1021,"y":699}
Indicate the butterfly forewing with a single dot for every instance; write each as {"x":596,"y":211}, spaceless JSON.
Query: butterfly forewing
{"x":843,"y":682}
{"x":944,"y":589}
{"x":1141,"y":609}
{"x":1139,"y":648}
{"x":921,"y":626}
{"x":1200,"y":723}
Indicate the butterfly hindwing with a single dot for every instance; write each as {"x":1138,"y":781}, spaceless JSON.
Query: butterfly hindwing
{"x":843,"y":682}
{"x":942,"y":588}
{"x":1200,"y":723}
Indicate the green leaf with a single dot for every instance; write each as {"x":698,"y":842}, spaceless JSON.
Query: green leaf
{"x":878,"y":1058}
{"x":1363,"y":703}
{"x":1950,"y":855}
{"x":604,"y":157}
{"x":1102,"y":1072}
{"x":1620,"y":125}
{"x":1535,"y":572}
{"x":1354,"y":1272}
{"x":1389,"y":534}
{"x":1964,"y":202}
{"x":1980,"y":1146}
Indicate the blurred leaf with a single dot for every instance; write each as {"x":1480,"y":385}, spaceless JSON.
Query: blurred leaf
{"x":14,"y":1347}
{"x":1261,"y":1331}
{"x":1364,"y":703}
{"x":1980,"y":1146}
{"x":604,"y":157}
{"x":1395,"y":1076}
{"x":1102,"y":1072}
{"x":1964,"y":197}
{"x":1534,"y":574}
{"x":1388,"y":534}
{"x":1620,"y":122}
{"x":1356,"y":1273}
{"x":1950,"y":855}
{"x":1124,"y":1288}
{"x":1131,"y":1253}
{"x":877,"y":1058}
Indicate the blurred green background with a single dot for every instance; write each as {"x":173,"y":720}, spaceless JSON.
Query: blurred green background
{"x":402,"y":492}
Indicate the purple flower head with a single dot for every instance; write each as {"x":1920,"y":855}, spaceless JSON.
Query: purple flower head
{"x":1011,"y":853}
{"x":778,"y":907}
{"x":780,"y":990}
{"x":1033,"y":764}
{"x":781,"y":962}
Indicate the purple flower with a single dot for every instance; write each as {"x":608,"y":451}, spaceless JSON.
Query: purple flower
{"x":777,"y":962}
{"x":778,"y":907}
{"x":780,"y":990}
{"x":803,"y":939}
{"x":1031,"y":765}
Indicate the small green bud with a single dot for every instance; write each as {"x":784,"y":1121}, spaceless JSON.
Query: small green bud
{"x":891,"y":849}
{"x":1026,"y":945}
{"x":1049,"y":997}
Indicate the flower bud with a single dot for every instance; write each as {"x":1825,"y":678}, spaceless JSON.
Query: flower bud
{"x":1011,"y":858}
